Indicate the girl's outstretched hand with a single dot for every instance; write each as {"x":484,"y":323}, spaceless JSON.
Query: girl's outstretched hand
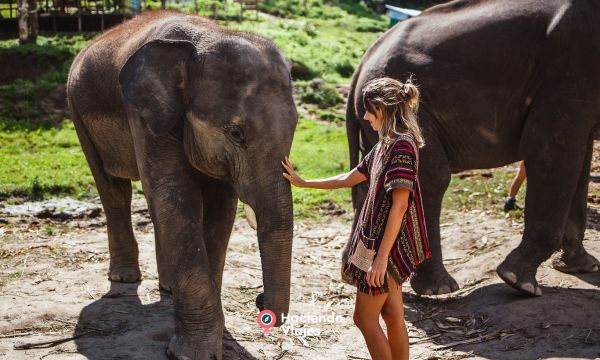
{"x":291,"y":174}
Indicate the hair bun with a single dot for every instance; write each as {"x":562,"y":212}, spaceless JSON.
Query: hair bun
{"x":410,"y":93}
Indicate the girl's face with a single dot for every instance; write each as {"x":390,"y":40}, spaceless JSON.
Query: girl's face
{"x":374,"y":119}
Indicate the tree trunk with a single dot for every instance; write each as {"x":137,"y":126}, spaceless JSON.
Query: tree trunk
{"x":28,"y":21}
{"x":33,"y":23}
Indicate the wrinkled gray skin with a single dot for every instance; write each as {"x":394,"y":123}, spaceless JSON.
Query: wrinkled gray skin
{"x":501,"y":81}
{"x":202,"y":116}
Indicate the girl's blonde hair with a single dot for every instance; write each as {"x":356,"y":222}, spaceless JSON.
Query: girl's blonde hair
{"x":398,"y":104}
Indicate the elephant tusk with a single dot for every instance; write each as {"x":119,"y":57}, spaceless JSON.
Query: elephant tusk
{"x":250,"y":216}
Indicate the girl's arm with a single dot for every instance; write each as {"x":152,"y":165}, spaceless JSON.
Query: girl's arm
{"x":348,"y":179}
{"x":376,"y":274}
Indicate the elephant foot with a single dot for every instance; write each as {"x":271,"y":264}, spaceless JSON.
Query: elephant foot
{"x":181,"y":348}
{"x":433,"y":281}
{"x":519,"y":277}
{"x":579,"y":261}
{"x":125,"y":274}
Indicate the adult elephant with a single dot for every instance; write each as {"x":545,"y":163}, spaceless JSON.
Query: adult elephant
{"x":201,"y":115}
{"x":501,"y":81}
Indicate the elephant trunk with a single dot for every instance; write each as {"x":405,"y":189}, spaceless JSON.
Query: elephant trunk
{"x":275,"y":220}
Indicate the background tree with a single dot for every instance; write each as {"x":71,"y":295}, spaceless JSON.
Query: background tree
{"x":28,"y":21}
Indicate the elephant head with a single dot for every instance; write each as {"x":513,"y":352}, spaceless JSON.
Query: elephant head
{"x":230,"y":102}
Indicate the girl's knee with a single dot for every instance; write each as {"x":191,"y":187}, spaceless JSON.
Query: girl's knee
{"x":363,"y":322}
{"x":359,"y":320}
{"x":393,"y":318}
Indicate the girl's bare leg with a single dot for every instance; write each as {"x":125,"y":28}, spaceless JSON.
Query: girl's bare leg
{"x":366,"y":317}
{"x":393,"y":315}
{"x":518,"y":180}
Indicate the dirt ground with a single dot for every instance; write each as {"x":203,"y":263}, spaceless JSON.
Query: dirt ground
{"x":54,"y":286}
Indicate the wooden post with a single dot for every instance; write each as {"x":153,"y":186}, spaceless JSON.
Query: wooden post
{"x":28,"y":21}
{"x":23,"y":17}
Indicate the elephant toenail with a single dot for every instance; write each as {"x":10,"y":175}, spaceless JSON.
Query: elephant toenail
{"x":528,"y":287}
{"x":594,"y":268}
{"x":444,"y":289}
{"x":510,"y":276}
{"x":428,"y":292}
{"x":538,"y":291}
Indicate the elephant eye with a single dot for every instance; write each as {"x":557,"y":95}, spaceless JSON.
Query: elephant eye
{"x":236,"y":133}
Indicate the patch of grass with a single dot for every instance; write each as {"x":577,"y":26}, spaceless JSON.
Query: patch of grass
{"x":328,"y":49}
{"x":319,"y":93}
{"x":44,"y":67}
{"x":332,"y":116}
{"x":42,"y":162}
{"x":319,"y":151}
{"x":483,"y":190}
{"x":14,"y":276}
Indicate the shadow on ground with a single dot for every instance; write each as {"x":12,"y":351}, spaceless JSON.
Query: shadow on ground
{"x":119,"y":326}
{"x":561,"y":323}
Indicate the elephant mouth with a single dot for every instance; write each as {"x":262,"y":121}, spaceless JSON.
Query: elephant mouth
{"x":250,"y":216}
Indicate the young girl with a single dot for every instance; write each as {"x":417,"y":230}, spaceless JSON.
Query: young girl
{"x":385,"y":241}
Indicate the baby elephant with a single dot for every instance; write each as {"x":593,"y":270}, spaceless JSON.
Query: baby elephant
{"x":202,"y":116}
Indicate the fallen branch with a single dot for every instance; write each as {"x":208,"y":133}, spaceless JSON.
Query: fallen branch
{"x":470,"y":341}
{"x":51,"y":343}
{"x":8,"y":336}
{"x":425,"y":339}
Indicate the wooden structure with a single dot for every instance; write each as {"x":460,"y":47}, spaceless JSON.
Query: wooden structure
{"x":65,"y":15}
{"x":248,"y":5}
{"x":85,"y":15}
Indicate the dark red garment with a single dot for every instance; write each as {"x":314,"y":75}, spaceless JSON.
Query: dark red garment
{"x":389,"y":166}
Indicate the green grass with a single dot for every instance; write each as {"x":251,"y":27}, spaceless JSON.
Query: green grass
{"x":50,"y":162}
{"x":50,"y":57}
{"x":329,"y":48}
{"x":42,"y":162}
{"x":319,"y":151}
{"x":482,"y":192}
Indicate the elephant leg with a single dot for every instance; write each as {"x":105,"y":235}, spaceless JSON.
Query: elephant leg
{"x":115,"y":195}
{"x":573,"y":258}
{"x":554,"y":157}
{"x":434,"y":172}
{"x":220,"y":205}
{"x":176,"y":201}
{"x":175,"y":195}
{"x":122,"y":245}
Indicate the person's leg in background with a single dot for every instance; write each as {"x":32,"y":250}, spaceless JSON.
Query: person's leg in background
{"x":511,"y":201}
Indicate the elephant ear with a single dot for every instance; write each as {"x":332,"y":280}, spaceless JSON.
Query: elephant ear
{"x":153,"y":80}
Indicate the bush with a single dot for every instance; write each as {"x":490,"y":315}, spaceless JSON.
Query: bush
{"x":320,"y":93}
{"x":300,"y":71}
{"x":344,"y":68}
{"x":331,"y":116}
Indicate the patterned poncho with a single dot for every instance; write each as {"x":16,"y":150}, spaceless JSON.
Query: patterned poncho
{"x":387,"y":168}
